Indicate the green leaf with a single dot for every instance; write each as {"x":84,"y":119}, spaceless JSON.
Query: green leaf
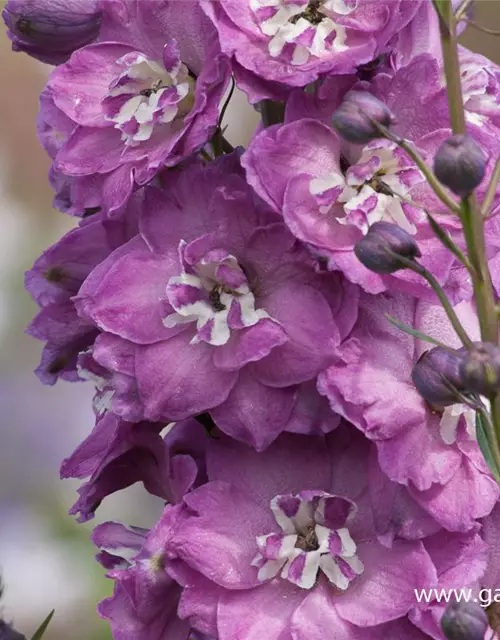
{"x":414,"y":332}
{"x":43,"y":627}
{"x":484,"y":445}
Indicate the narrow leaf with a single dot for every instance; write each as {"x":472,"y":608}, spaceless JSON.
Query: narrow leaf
{"x":43,"y":627}
{"x":484,"y":445}
{"x":414,"y":332}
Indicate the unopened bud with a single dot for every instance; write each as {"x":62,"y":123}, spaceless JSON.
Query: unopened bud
{"x":8,"y":633}
{"x":460,"y":164}
{"x":355,"y":118}
{"x":464,"y":621}
{"x":50,"y":30}
{"x":480,"y":369}
{"x":437,"y":376}
{"x":380,"y":250}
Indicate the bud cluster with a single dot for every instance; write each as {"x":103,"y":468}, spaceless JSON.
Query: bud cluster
{"x":441,"y":375}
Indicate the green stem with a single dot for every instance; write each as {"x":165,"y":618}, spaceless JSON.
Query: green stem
{"x":473,"y":224}
{"x":472,"y":220}
{"x":455,"y":322}
{"x":462,"y":9}
{"x":421,"y":164}
{"x":492,"y":190}
{"x":492,"y":425}
{"x":448,"y":29}
{"x":438,"y":290}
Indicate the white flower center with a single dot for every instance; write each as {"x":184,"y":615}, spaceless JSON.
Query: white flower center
{"x":303,"y":28}
{"x":145,"y":94}
{"x":215,"y":294}
{"x":314,"y":537}
{"x":375,"y":188}
{"x":450,"y":419}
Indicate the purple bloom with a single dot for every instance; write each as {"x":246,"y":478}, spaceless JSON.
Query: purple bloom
{"x":284,"y":544}
{"x":275,"y":43}
{"x":129,"y":109}
{"x":145,"y":599}
{"x":50,"y":30}
{"x":460,"y":559}
{"x":118,"y":454}
{"x":57,"y":276}
{"x":330,"y":193}
{"x":433,"y":453}
{"x":222,"y":310}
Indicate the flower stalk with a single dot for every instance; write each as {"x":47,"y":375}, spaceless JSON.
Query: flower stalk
{"x":471,"y":215}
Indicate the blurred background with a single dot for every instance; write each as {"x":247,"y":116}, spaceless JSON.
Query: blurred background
{"x":45,"y":557}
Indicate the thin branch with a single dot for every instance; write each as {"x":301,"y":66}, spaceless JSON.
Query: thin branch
{"x":491,"y":191}
{"x":420,"y":162}
{"x":443,"y":299}
{"x":226,"y":104}
{"x":462,"y":9}
{"x":475,"y":25}
{"x":417,"y":334}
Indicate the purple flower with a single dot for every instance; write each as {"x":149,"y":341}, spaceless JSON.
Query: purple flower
{"x":118,"y":454}
{"x":284,"y":544}
{"x":275,"y":44}
{"x":57,"y":276}
{"x":145,"y":599}
{"x":222,"y":310}
{"x":459,"y":559}
{"x":50,"y":30}
{"x":131,"y":108}
{"x":330,"y":193}
{"x":433,"y":453}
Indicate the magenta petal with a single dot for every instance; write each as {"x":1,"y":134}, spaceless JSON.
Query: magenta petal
{"x":307,"y":319}
{"x":317,"y":619}
{"x":177,"y":379}
{"x":249,"y":345}
{"x":90,"y":150}
{"x":268,"y":474}
{"x":123,"y":295}
{"x":491,"y":533}
{"x":470,"y":494}
{"x":275,"y":603}
{"x":199,"y":599}
{"x":420,"y":455}
{"x":254,"y":413}
{"x":218,"y":539}
{"x":396,"y":573}
{"x":280,"y":152}
{"x":79,"y":86}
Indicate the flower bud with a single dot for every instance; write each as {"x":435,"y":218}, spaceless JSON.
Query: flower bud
{"x":437,"y":374}
{"x":464,"y":621}
{"x":50,"y":30}
{"x":480,"y":368}
{"x":460,"y":164}
{"x":354,"y":119}
{"x":8,"y":633}
{"x":380,"y":249}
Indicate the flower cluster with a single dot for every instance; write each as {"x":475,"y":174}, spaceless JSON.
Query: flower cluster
{"x":230,"y":308}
